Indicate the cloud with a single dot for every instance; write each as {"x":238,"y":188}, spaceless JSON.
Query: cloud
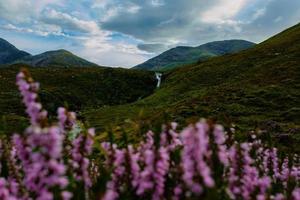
{"x":276,"y":16}
{"x":278,"y":19}
{"x":42,"y":30}
{"x":223,"y":11}
{"x":259,"y":13}
{"x":198,"y":21}
{"x":96,"y":43}
{"x":100,"y":3}
{"x":157,"y":3}
{"x":113,"y":57}
{"x":133,"y":9}
{"x":126,"y":32}
{"x":153,"y":48}
{"x":17,"y":11}
{"x":112,"y":8}
{"x":175,"y":20}
{"x":70,"y":23}
{"x":85,"y":36}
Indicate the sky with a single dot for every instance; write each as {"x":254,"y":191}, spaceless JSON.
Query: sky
{"x":124,"y":33}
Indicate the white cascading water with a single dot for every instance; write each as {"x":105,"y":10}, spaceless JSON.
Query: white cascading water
{"x":158,"y":77}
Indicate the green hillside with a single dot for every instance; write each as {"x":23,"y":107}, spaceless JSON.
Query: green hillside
{"x":58,"y":58}
{"x":183,"y":55}
{"x":77,"y":88}
{"x":257,"y":87}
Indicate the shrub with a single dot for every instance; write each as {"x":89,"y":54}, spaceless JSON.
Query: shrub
{"x":56,"y":161}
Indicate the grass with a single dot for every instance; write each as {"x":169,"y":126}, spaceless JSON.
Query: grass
{"x":77,"y":88}
{"x":249,"y":89}
{"x":184,"y":55}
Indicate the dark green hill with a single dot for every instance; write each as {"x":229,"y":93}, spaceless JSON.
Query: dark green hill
{"x":79,"y":88}
{"x":252,"y":88}
{"x":183,"y":55}
{"x":9,"y":53}
{"x":58,"y":58}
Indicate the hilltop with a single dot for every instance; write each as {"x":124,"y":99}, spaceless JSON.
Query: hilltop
{"x":9,"y":54}
{"x":183,"y":55}
{"x":252,"y":88}
{"x":66,"y":80}
{"x":57,"y":58}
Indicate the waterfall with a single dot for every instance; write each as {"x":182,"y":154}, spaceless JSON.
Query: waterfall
{"x":158,"y":77}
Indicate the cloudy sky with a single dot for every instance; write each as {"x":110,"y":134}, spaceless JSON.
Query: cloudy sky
{"x":128,"y":32}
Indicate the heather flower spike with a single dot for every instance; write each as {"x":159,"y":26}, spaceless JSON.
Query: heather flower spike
{"x":28,"y":89}
{"x":52,"y":161}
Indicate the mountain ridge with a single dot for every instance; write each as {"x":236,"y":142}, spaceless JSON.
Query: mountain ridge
{"x":57,"y":58}
{"x":182,"y":55}
{"x":251,"y":88}
{"x":9,"y":53}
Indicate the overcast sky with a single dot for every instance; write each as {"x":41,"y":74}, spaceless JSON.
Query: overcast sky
{"x":128,"y":32}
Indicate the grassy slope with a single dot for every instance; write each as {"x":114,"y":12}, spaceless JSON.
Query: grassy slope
{"x":183,"y":55}
{"x":249,"y":89}
{"x":57,"y":58}
{"x":78,"y":88}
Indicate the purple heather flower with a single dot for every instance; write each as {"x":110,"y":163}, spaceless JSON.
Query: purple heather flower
{"x":5,"y":194}
{"x":40,"y":153}
{"x":296,"y":194}
{"x":29,"y":92}
{"x":196,"y":155}
{"x":134,"y":166}
{"x":248,"y":169}
{"x":113,"y":186}
{"x":81,"y":149}
{"x":66,"y":120}
{"x":161,"y":170}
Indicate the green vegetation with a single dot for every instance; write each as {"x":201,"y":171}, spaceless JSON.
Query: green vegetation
{"x":251,"y":89}
{"x":255,"y":88}
{"x":183,"y":55}
{"x":77,"y":88}
{"x":9,"y":54}
{"x":58,"y":58}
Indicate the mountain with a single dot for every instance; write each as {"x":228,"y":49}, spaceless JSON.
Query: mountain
{"x":251,"y":89}
{"x":9,"y":53}
{"x":183,"y":55}
{"x":58,"y":58}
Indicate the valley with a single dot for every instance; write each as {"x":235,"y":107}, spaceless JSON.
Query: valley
{"x":78,"y":89}
{"x":230,"y":89}
{"x":251,"y":89}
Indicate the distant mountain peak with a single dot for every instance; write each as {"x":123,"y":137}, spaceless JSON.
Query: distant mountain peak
{"x":5,"y":43}
{"x":182,"y":55}
{"x":56,"y":58}
{"x":59,"y":51}
{"x":9,"y":53}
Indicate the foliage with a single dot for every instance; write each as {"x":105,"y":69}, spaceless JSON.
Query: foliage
{"x":58,"y":58}
{"x":248,"y":89}
{"x":43,"y":163}
{"x":59,"y":161}
{"x":77,"y":89}
{"x":183,"y":55}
